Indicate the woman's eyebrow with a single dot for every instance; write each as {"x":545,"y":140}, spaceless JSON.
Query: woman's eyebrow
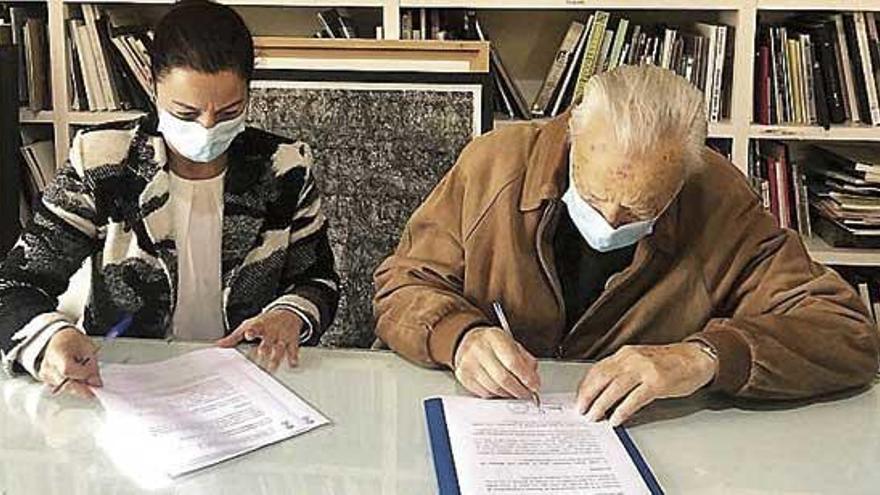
{"x":233,"y":104}
{"x":188,"y":107}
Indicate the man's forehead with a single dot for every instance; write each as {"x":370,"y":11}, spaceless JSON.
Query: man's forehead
{"x":649,"y":178}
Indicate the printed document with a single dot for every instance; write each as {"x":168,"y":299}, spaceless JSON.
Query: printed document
{"x":514,"y":447}
{"x":199,"y":409}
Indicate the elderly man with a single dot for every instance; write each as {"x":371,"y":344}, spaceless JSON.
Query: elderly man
{"x":614,"y":234}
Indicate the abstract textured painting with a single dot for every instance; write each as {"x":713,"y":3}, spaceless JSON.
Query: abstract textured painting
{"x":379,"y":149}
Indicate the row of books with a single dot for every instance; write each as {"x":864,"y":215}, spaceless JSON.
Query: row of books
{"x":701,"y":53}
{"x":819,"y":70}
{"x":780,"y":180}
{"x":28,"y":26}
{"x":109,"y":65}
{"x":845,"y":194}
{"x":37,"y":162}
{"x":831,"y":190}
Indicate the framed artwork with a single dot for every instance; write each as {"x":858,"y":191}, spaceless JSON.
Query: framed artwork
{"x":381,"y":141}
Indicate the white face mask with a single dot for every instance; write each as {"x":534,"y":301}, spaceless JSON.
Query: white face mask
{"x":598,"y":233}
{"x":195,"y":142}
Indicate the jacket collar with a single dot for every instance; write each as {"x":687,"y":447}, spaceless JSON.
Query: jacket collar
{"x":546,"y":178}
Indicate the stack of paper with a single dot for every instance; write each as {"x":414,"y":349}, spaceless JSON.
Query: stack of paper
{"x":198,"y":409}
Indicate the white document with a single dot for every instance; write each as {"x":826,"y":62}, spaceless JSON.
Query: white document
{"x":199,"y":409}
{"x":512,"y":447}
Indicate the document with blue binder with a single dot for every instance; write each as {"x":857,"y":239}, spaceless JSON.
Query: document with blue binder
{"x":514,"y":447}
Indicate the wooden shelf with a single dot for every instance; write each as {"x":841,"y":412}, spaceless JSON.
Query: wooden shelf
{"x":836,"y":133}
{"x":27,"y":116}
{"x":91,"y":118}
{"x":576,"y":4}
{"x":823,"y":253}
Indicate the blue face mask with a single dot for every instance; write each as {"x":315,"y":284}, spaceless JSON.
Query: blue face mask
{"x":598,"y":233}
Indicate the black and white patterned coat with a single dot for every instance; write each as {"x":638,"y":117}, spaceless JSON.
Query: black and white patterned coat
{"x":110,"y":202}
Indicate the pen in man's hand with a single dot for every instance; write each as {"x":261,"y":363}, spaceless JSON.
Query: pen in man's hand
{"x":505,"y":325}
{"x":115,"y":331}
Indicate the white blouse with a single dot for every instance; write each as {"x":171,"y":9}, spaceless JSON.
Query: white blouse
{"x":197,"y":207}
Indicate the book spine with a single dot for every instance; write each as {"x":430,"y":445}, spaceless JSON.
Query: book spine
{"x":709,"y":74}
{"x":604,"y":52}
{"x":865,"y":54}
{"x":617,"y":47}
{"x":782,"y":191}
{"x":801,"y":200}
{"x":591,"y":52}
{"x":554,"y":75}
{"x":830,"y":74}
{"x":809,"y":82}
{"x":874,"y":46}
{"x":821,"y":97}
{"x":719,"y":72}
{"x":566,"y":89}
{"x":863,"y":105}
{"x":108,"y":89}
{"x":845,"y":67}
{"x":763,"y":86}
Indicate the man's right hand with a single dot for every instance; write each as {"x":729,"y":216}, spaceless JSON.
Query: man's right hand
{"x":489,"y":363}
{"x":65,"y":354}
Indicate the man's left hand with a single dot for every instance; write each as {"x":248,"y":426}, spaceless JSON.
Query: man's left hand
{"x":278,"y":331}
{"x":635,"y":376}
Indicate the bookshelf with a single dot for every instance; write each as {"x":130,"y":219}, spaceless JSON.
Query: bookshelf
{"x":527,"y":33}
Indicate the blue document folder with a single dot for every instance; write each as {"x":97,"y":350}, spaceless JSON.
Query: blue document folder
{"x":444,"y":462}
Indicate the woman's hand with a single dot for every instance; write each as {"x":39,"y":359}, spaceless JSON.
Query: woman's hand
{"x":278,"y":331}
{"x":71,"y":354}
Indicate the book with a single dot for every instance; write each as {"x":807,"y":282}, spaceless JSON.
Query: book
{"x":801,"y":200}
{"x":17,"y":17}
{"x":109,"y":92}
{"x":809,"y":83}
{"x":591,"y":52}
{"x":870,"y":85}
{"x":873,"y":46}
{"x":94,"y":91}
{"x":863,"y":105}
{"x":827,"y":62}
{"x":557,"y":70}
{"x":37,"y":57}
{"x":617,"y":46}
{"x":708,"y":31}
{"x":566,"y":91}
{"x":763,"y":92}
{"x":604,"y":51}
{"x":39,"y":157}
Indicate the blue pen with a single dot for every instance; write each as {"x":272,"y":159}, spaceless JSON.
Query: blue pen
{"x":115,"y":331}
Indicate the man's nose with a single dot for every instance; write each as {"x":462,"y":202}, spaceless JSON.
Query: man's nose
{"x":208,"y":120}
{"x":614,"y":214}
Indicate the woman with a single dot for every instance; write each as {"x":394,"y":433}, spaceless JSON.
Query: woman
{"x":197,"y":227}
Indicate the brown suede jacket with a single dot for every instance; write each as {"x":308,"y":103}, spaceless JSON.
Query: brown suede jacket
{"x":717,"y":269}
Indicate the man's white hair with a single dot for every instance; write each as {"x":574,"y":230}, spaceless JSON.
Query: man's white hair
{"x":643,"y":106}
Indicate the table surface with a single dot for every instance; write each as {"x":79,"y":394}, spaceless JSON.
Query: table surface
{"x":377,"y":442}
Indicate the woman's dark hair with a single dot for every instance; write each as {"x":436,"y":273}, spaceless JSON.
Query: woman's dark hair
{"x":203,"y":36}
